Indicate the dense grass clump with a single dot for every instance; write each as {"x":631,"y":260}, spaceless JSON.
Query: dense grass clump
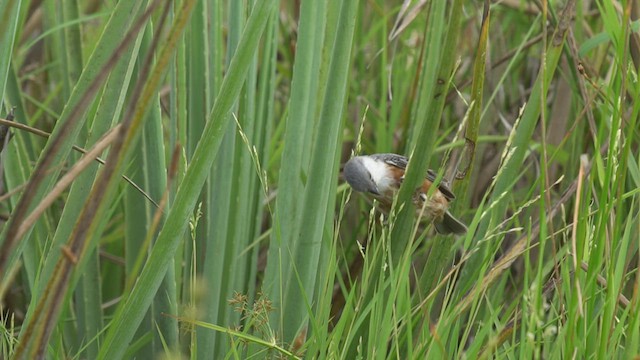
{"x":171,"y":179}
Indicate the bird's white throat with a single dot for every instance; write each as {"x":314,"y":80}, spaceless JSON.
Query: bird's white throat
{"x":380,"y":174}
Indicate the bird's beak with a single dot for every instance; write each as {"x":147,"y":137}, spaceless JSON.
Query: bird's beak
{"x":374,"y":191}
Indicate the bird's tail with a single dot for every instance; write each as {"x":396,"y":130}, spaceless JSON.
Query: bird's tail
{"x":450,"y":225}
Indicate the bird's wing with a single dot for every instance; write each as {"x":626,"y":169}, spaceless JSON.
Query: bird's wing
{"x":401,"y":162}
{"x":396,"y":160}
{"x":443,"y":186}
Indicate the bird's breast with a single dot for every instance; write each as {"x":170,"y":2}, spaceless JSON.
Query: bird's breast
{"x":435,"y":206}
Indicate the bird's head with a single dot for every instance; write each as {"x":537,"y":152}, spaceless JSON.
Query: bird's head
{"x":359,"y":177}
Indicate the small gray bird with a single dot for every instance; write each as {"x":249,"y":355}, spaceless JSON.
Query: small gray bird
{"x":380,"y":175}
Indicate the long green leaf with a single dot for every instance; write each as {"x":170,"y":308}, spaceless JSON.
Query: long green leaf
{"x":293,"y":174}
{"x":10,"y":15}
{"x":129,"y":314}
{"x":426,"y":116}
{"x":121,"y":17}
{"x":521,"y":138}
{"x":320,"y":186}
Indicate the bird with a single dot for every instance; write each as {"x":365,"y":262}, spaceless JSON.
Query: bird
{"x":380,"y":176}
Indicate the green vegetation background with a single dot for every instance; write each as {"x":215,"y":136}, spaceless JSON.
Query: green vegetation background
{"x":215,"y":223}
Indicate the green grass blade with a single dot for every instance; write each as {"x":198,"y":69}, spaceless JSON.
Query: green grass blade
{"x":121,"y":17}
{"x":526,"y":125}
{"x":10,"y":15}
{"x":322,"y":171}
{"x":292,"y":177}
{"x":426,"y":117}
{"x":128,"y":317}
